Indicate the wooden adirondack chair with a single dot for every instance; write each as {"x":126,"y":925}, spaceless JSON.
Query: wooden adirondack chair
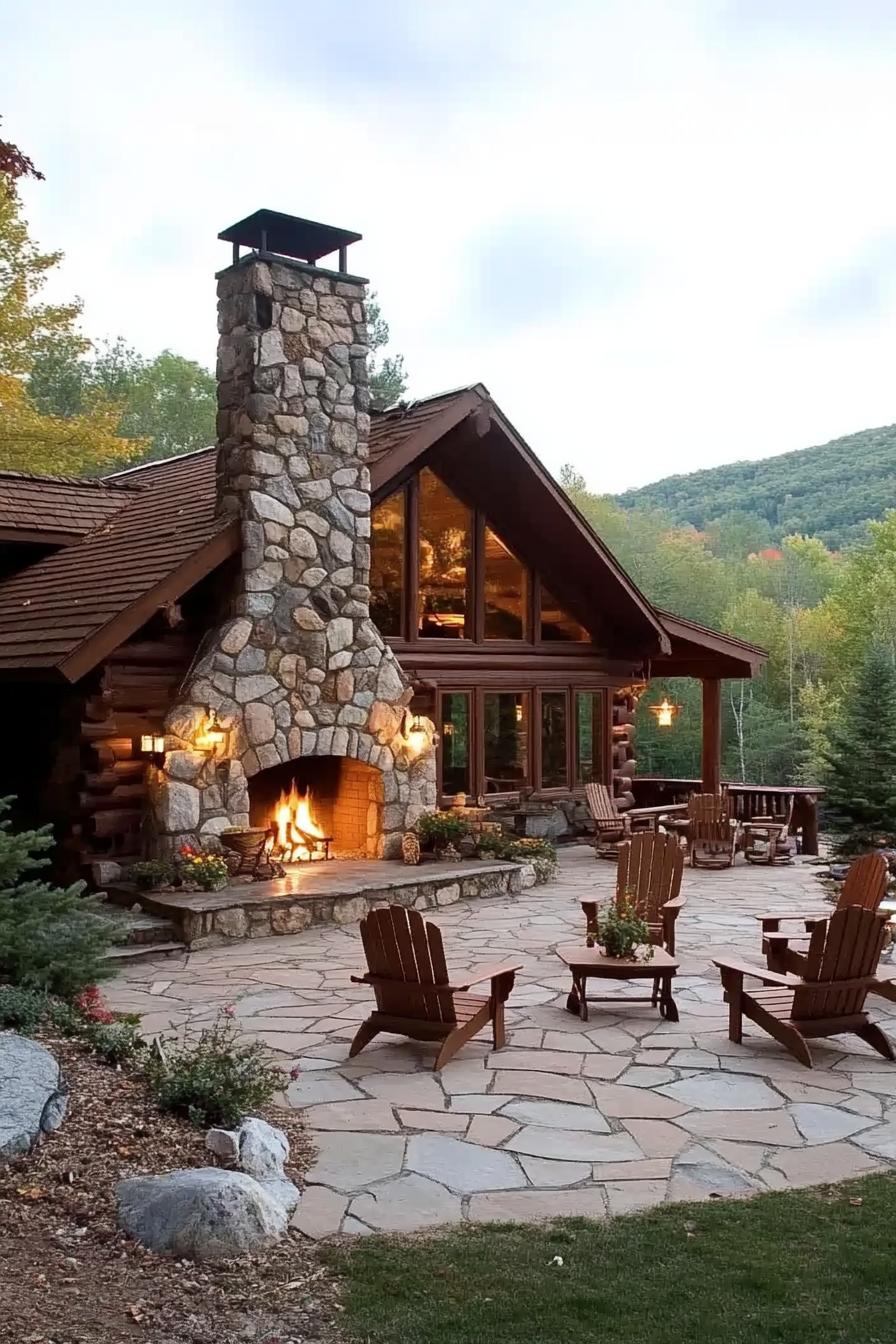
{"x":827,"y":1000}
{"x":712,"y":836}
{"x":649,"y":875}
{"x":767,"y":839}
{"x":865,"y":885}
{"x":414,"y":994}
{"x":611,"y":827}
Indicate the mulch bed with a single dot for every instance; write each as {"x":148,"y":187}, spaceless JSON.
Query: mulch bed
{"x":69,"y":1276}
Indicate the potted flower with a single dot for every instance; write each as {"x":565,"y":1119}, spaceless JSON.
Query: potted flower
{"x":203,"y":869}
{"x":437,"y":830}
{"x":621,"y":931}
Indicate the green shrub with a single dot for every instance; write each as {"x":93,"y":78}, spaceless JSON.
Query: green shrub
{"x":63,"y":1018}
{"x":50,"y":939}
{"x":212,"y":1077}
{"x":21,"y":1009}
{"x":150,"y":874}
{"x":541,"y":853}
{"x":115,"y":1042}
{"x":440,"y":828}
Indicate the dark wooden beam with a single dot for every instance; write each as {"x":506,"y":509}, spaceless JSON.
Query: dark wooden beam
{"x":711,"y":761}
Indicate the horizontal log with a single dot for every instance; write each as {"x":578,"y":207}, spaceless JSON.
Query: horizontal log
{"x":170,"y":650}
{"x":121,"y":822}
{"x":116,"y":772}
{"x":127,"y":795}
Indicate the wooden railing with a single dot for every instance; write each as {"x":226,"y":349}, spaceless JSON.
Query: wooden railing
{"x":746,"y":800}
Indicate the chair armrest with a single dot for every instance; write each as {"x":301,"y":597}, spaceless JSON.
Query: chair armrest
{"x":480,"y":973}
{"x":778,"y":940}
{"x":757,"y":972}
{"x":771,"y":921}
{"x":393,"y":982}
{"x":675,"y":904}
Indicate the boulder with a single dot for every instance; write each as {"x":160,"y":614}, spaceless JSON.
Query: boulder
{"x":259,"y":1150}
{"x":33,"y":1094}
{"x":201,"y":1214}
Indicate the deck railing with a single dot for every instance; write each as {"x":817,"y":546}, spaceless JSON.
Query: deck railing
{"x":746,"y":800}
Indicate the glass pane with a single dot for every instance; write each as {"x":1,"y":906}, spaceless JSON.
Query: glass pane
{"x":556,"y":625}
{"x":456,"y":742}
{"x":444,"y":556}
{"x":506,"y":741}
{"x":553,"y":740}
{"x":590,"y":748}
{"x":505,"y":591}
{"x":387,"y":563}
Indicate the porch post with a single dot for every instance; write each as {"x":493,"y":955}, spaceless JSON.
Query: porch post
{"x":711,"y":764}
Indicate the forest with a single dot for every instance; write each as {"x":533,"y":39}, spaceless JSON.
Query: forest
{"x":829,"y":492}
{"x":818,"y":613}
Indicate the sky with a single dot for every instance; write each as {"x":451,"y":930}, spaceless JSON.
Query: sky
{"x":661,"y":232}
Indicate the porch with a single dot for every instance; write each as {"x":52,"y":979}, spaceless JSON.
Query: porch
{"x":572,"y":1118}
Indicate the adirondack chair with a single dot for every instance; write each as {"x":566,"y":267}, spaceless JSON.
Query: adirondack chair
{"x":649,"y":876}
{"x":415,"y":996}
{"x":767,"y":839}
{"x":611,"y":827}
{"x":712,"y":835}
{"x":865,"y":885}
{"x":828,"y":999}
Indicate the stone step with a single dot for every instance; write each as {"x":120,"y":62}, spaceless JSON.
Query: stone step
{"x":128,"y":954}
{"x":138,"y":928}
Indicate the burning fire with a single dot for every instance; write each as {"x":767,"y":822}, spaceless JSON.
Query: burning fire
{"x":297,"y":836}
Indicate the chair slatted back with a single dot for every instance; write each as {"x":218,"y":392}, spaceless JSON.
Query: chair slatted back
{"x":844,"y":947}
{"x":601,"y":805}
{"x":865,"y":883}
{"x":402,"y":947}
{"x":708,"y":817}
{"x":649,"y":873}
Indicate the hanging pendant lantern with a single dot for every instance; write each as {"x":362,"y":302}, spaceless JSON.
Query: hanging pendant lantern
{"x":665,"y":712}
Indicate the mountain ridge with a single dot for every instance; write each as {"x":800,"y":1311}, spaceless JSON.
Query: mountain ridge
{"x":829,"y":490}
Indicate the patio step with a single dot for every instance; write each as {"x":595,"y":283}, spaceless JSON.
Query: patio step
{"x":143,"y":935}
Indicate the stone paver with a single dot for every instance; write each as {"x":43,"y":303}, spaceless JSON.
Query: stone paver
{"x":572,"y":1118}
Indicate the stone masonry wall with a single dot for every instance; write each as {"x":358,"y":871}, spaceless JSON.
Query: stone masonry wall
{"x":297,"y":667}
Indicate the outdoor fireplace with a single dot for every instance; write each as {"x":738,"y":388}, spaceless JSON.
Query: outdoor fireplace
{"x":319,"y":807}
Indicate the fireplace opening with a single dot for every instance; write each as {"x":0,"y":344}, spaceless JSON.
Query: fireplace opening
{"x":320,"y":807}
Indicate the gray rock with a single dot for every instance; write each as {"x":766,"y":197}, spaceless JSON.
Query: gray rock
{"x":33,"y":1094}
{"x":204,"y":1214}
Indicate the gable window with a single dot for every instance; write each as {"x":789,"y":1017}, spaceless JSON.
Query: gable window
{"x":387,"y":563}
{"x":444,"y":557}
{"x":557,"y":626}
{"x":506,"y":740}
{"x":505,"y":584}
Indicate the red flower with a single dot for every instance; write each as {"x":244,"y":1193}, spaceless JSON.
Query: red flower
{"x":294,"y":1072}
{"x":229,"y":1009}
{"x":91,"y":1004}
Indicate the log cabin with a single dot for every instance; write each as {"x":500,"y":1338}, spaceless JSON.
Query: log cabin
{"x":382,"y":610}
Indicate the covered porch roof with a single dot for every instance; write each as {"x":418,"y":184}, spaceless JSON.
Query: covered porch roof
{"x":697,"y":651}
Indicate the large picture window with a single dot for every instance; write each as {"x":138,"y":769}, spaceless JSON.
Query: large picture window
{"x":591,"y":747}
{"x":387,"y":563}
{"x":455,"y":732}
{"x":444,"y":556}
{"x":505,"y":583}
{"x":554,"y":736}
{"x":557,"y":626}
{"x":506,"y":741}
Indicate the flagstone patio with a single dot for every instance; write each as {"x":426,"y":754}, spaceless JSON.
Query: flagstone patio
{"x":590,"y":1118}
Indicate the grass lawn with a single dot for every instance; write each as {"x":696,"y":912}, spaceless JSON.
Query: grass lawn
{"x":809,"y":1267}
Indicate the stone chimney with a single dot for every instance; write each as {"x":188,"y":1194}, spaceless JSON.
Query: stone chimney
{"x":296,"y":668}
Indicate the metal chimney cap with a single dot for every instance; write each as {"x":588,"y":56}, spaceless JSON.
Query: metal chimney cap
{"x":271,"y":231}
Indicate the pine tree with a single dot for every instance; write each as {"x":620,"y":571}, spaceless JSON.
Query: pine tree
{"x":860,"y":765}
{"x":51,"y":938}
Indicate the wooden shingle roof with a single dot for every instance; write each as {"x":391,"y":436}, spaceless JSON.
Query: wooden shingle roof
{"x":55,"y":508}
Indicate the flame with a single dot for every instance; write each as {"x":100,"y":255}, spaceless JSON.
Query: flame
{"x":294,"y":826}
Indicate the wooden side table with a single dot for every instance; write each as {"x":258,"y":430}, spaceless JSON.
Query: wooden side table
{"x":591,"y":963}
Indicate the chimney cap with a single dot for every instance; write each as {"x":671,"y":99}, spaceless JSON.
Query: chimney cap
{"x":271,"y":231}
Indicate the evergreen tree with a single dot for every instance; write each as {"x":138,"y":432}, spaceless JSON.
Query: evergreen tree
{"x":51,"y":938}
{"x":860,"y":765}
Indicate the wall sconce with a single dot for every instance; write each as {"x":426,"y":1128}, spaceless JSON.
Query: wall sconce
{"x":213,"y":736}
{"x":518,"y":710}
{"x":152,"y":748}
{"x":665,"y":713}
{"x":416,"y":734}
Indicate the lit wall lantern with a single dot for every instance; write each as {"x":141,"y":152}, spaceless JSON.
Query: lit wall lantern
{"x":213,"y":736}
{"x":518,"y":710}
{"x":665,"y":712}
{"x":417,"y":734}
{"x":152,"y":748}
